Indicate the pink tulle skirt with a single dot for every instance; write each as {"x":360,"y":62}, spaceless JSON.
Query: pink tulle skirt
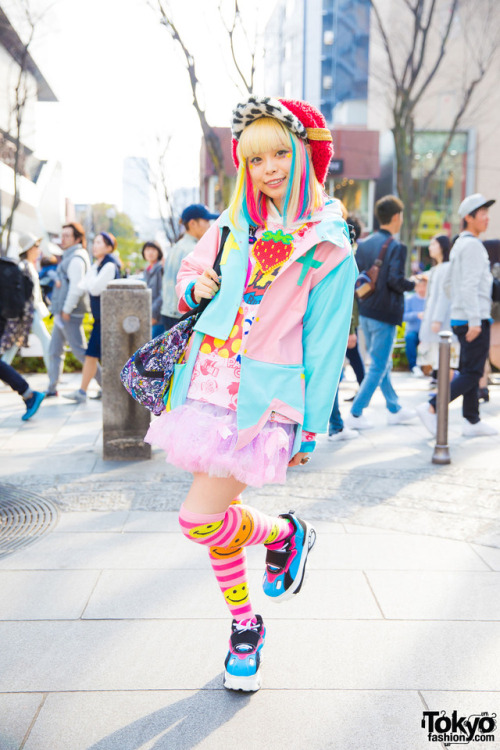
{"x":200,"y":437}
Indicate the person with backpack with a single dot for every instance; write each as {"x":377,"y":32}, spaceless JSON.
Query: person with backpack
{"x":381,"y":312}
{"x":29,"y":245}
{"x":262,"y":365}
{"x":69,"y":304}
{"x":16,"y":303}
{"x":105,"y":268}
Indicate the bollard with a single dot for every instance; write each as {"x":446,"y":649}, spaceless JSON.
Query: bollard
{"x":126,"y":325}
{"x":441,"y":453}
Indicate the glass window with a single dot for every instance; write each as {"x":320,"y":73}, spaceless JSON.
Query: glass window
{"x":447,"y":185}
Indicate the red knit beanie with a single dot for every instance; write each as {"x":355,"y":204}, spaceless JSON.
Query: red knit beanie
{"x":304,"y":120}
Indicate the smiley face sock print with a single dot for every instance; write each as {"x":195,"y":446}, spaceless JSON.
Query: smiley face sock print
{"x":227,"y":534}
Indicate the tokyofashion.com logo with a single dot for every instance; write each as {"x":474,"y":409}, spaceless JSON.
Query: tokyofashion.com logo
{"x":458,"y":730}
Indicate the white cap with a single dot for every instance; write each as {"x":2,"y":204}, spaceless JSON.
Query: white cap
{"x":472,"y":203}
{"x":27,"y":241}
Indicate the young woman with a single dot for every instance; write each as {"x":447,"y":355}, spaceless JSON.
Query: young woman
{"x":153,"y":273}
{"x":437,"y":307}
{"x":105,"y":268}
{"x":264,"y":360}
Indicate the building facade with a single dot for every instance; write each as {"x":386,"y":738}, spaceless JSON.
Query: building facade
{"x":318,"y":50}
{"x":39,"y":183}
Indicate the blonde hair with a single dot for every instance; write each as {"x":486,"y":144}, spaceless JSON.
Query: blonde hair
{"x":304,"y":194}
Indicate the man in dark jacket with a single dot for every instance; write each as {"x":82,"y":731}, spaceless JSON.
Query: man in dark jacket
{"x":382,"y":312}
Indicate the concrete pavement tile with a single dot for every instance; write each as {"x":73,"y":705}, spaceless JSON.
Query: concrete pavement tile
{"x":96,"y":551}
{"x":16,"y":714}
{"x":145,"y":521}
{"x":194,"y":594}
{"x":457,"y":595}
{"x":393,"y":552}
{"x":78,"y":463}
{"x":490,"y":555}
{"x":213,"y":719}
{"x":90,"y":521}
{"x":327,"y":655}
{"x":469,"y":705}
{"x":355,"y":528}
{"x":48,"y":595}
{"x":26,"y":441}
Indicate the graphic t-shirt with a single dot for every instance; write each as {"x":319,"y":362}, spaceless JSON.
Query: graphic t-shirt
{"x":216,"y":374}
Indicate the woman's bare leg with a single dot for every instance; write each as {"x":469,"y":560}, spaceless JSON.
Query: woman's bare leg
{"x":212,"y":494}
{"x":88,"y":372}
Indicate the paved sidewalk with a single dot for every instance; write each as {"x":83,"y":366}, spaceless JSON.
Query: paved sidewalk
{"x":113,"y":631}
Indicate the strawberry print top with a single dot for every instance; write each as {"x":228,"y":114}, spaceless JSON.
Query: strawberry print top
{"x":216,"y":373}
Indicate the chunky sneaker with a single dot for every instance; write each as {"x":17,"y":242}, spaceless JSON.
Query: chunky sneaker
{"x":286,"y":560}
{"x":344,"y":434}
{"x":357,"y":423}
{"x":32,"y":405}
{"x":402,"y":416}
{"x":243,"y":658}
{"x":428,"y":418}
{"x":78,"y":396}
{"x":478,"y":429}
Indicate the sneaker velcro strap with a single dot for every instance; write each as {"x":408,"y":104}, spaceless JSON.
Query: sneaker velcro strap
{"x":247,"y":638}
{"x":276,"y":557}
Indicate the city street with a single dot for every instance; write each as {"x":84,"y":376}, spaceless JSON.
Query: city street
{"x":114,"y":632}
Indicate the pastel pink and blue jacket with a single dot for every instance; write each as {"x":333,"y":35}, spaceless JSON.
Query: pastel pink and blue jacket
{"x":296,"y":346}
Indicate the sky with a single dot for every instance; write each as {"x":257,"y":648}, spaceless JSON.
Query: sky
{"x":121,"y":83}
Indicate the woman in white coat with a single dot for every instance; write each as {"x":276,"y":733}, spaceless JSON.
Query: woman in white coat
{"x":437,"y":307}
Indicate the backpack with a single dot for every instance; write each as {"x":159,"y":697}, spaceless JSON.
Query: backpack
{"x":16,"y":289}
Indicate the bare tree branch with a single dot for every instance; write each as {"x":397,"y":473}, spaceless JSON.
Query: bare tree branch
{"x":211,"y":138}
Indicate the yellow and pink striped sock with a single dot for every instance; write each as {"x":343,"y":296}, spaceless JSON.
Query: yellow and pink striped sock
{"x":227,"y":534}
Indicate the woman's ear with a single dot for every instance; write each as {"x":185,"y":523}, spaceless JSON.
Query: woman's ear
{"x":308,"y":149}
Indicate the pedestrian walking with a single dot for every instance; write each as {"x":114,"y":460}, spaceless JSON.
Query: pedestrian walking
{"x":16,"y":303}
{"x":437,"y":309}
{"x":382,"y":312}
{"x":153,"y":254}
{"x":32,"y":399}
{"x":264,"y":360}
{"x":29,"y":246}
{"x":413,"y":315}
{"x":469,"y":288}
{"x":69,"y":304}
{"x":104,"y":269}
{"x":353,"y":354}
{"x":196,"y":219}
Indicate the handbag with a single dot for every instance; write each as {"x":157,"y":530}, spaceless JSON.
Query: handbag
{"x":366,"y":282}
{"x":148,"y":372}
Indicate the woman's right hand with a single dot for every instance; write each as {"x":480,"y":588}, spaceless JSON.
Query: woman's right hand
{"x":206,"y":286}
{"x":435,"y":326}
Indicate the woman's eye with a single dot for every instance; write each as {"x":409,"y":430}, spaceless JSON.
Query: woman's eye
{"x":255,"y":160}
{"x":282,"y":152}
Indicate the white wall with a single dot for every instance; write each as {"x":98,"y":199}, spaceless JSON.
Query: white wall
{"x":9,"y":73}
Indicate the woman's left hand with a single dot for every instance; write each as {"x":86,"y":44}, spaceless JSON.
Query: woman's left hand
{"x":301,"y":457}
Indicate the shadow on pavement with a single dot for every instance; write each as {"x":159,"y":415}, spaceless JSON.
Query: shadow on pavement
{"x":181,"y":725}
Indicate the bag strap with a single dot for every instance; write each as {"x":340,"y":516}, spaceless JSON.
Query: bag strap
{"x":380,"y":258}
{"x":204,"y":302}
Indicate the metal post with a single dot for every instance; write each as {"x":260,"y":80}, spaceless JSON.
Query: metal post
{"x":126,"y":326}
{"x":441,"y":453}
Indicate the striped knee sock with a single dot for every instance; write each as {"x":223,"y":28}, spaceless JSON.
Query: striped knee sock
{"x":227,"y":534}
